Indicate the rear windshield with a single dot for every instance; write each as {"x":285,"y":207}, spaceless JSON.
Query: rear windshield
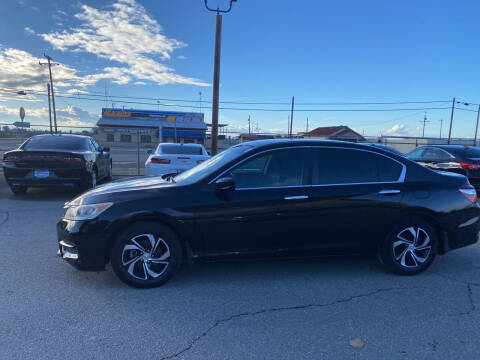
{"x":56,"y":143}
{"x":181,"y":149}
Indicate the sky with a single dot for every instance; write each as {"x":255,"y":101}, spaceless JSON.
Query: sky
{"x":330,"y":55}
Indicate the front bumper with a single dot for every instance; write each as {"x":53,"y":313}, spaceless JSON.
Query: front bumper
{"x":83,"y":244}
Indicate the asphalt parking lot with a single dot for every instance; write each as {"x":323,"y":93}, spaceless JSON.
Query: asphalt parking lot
{"x":309,"y":309}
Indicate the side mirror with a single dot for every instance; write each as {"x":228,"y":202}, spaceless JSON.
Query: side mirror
{"x":106,"y":149}
{"x":225,"y":184}
{"x":150,"y":152}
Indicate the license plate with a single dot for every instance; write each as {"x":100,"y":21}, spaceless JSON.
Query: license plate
{"x":41,"y":174}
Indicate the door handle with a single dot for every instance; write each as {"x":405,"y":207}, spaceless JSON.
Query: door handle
{"x":298,"y":197}
{"x":389,"y":192}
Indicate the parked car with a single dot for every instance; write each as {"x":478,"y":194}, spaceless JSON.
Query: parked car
{"x":458,"y":159}
{"x":174,"y":158}
{"x":56,"y":160}
{"x":272,"y":198}
{"x":385,"y":147}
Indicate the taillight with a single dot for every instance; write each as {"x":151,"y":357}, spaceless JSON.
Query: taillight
{"x":72,"y":159}
{"x":159,"y":161}
{"x":199,"y":161}
{"x":10,"y":158}
{"x":469,"y":192}
{"x":470,"y":166}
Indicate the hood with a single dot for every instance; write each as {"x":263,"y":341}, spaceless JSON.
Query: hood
{"x":119,"y":187}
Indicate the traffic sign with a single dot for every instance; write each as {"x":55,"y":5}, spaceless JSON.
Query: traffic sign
{"x":22,"y":113}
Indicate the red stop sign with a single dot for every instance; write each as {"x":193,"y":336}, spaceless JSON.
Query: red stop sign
{"x":22,"y":113}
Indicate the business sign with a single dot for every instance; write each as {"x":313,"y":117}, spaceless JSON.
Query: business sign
{"x":22,"y":113}
{"x":22,"y":124}
{"x":170,"y":116}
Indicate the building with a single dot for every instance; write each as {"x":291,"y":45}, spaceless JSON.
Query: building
{"x":149,"y":127}
{"x":343,"y":133}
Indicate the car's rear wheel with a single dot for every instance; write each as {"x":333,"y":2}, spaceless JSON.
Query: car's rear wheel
{"x":410,"y":248}
{"x":90,"y":180}
{"x":109,"y":172}
{"x":146,"y":255}
{"x":19,"y":190}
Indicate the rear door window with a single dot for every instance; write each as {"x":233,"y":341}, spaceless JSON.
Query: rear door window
{"x":177,"y":149}
{"x":415,"y":154}
{"x":345,"y":166}
{"x":435,"y":154}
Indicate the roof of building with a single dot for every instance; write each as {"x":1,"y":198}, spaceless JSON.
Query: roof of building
{"x":332,"y":131}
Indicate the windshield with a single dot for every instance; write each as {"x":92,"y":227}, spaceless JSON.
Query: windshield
{"x":70,"y":143}
{"x":213,"y":164}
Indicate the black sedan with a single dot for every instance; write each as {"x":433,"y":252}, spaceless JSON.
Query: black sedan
{"x":458,"y":159}
{"x":272,"y":198}
{"x":56,"y":160}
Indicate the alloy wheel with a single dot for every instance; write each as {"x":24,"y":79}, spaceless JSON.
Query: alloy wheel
{"x":412,"y":247}
{"x":146,"y":257}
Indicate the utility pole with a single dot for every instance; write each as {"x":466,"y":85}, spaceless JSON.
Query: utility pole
{"x":49,"y":63}
{"x":451,"y":121}
{"x":49,"y":108}
{"x":288,"y":126}
{"x":291,"y":116}
{"x":216,"y":73}
{"x":306,"y":130}
{"x":249,"y":124}
{"x":476,"y":127}
{"x":424,"y":122}
{"x":441,"y":124}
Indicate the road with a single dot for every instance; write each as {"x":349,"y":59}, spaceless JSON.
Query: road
{"x":309,"y":309}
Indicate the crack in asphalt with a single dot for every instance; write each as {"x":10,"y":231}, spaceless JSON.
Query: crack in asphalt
{"x":473,"y":307}
{"x":277,"y":309}
{"x":7,"y":216}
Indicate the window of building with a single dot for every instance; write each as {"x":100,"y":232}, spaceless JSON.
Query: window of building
{"x":125,"y":138}
{"x":145,"y":139}
{"x":110,"y":138}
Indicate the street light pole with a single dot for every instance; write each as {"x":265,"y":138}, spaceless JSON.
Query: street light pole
{"x":49,"y":63}
{"x":216,"y":73}
{"x":476,"y":127}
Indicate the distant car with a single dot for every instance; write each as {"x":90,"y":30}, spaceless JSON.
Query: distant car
{"x":56,"y":160}
{"x":459,"y":159}
{"x":384,"y":147}
{"x":174,"y":158}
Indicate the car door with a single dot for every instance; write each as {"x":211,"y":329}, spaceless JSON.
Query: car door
{"x":266,"y":211}
{"x":100,"y":159}
{"x":355,"y":196}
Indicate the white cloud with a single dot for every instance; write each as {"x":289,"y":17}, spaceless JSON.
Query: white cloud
{"x":398,"y":130}
{"x":181,"y":57}
{"x":130,"y":37}
{"x":28,"y":30}
{"x":140,"y":83}
{"x":21,"y":70}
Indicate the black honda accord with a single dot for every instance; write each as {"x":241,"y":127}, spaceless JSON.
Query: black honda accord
{"x":56,"y":160}
{"x":272,"y":198}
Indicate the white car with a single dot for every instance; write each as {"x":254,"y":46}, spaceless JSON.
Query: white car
{"x":174,"y":158}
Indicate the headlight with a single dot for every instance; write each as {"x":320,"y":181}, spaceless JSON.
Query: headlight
{"x":85,"y":212}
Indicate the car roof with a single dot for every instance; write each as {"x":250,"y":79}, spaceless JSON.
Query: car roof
{"x":62,"y":135}
{"x":182,"y":144}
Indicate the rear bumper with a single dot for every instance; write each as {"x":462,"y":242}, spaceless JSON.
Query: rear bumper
{"x":71,"y":178}
{"x":466,"y":234}
{"x":80,"y":247}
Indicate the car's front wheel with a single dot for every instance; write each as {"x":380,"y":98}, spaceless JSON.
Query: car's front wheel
{"x":146,"y":255}
{"x":410,"y":248}
{"x":19,"y":190}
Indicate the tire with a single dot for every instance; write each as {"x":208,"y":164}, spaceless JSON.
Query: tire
{"x":91,"y":180}
{"x":109,"y":172}
{"x":134,"y":262}
{"x":410,"y":248}
{"x":19,"y":190}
